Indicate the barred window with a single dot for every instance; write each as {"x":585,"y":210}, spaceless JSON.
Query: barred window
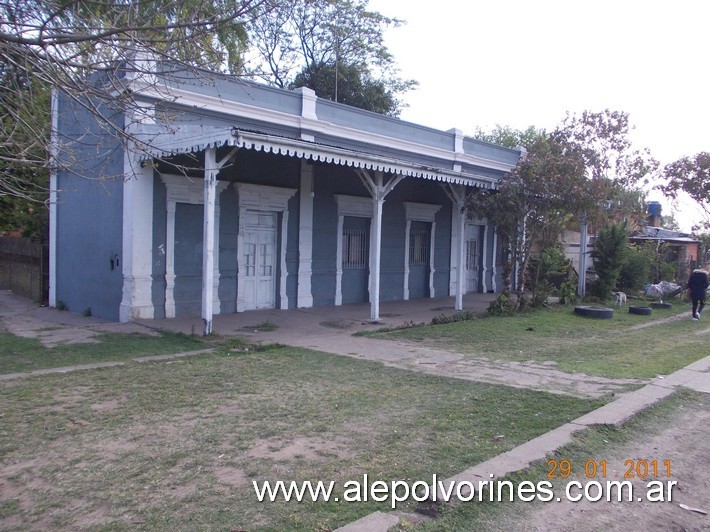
{"x":472,"y":255}
{"x":418,"y":246}
{"x":354,"y":249}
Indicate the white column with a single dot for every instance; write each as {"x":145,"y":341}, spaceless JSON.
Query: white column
{"x":305,"y":237}
{"x":376,"y":252}
{"x":432,"y":270}
{"x":136,"y":301}
{"x":454,"y":259}
{"x":484,"y":259}
{"x":284,"y":274}
{"x":406,"y":259}
{"x":339,"y":263}
{"x":241,"y":284}
{"x":53,"y":183}
{"x":461,"y":264}
{"x":457,"y":195}
{"x":493,"y":260}
{"x":208,"y":239}
{"x":378,"y":191}
{"x":216,"y":303}
{"x":170,"y":261}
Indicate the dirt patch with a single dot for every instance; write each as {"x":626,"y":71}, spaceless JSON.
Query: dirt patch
{"x":685,"y":444}
{"x":106,"y":405}
{"x":230,"y":408}
{"x":231,"y":476}
{"x":306,"y":448}
{"x":114,"y":449}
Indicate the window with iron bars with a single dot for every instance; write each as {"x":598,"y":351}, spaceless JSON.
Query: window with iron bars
{"x":354,"y":249}
{"x":418,"y":246}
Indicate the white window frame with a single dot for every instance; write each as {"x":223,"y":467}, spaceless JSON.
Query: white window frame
{"x":269,"y":199}
{"x":420,"y":212}
{"x":182,"y":189}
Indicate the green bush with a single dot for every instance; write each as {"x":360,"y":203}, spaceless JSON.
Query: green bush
{"x":567,"y":292}
{"x":551,"y":263}
{"x":502,"y":306}
{"x":636,"y":268}
{"x":608,"y":255}
{"x":464,"y":315}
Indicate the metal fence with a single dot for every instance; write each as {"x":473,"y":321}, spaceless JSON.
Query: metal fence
{"x":24,"y":267}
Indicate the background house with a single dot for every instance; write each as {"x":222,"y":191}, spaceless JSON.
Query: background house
{"x":677,"y":248}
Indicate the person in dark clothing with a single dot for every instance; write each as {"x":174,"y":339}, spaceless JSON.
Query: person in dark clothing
{"x":698,"y":284}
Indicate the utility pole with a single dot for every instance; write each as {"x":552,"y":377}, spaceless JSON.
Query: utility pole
{"x":582,"y":274}
{"x":337,"y":60}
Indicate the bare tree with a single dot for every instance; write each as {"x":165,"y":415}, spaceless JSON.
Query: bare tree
{"x":89,"y":50}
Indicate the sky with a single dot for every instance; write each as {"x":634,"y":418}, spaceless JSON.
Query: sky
{"x":523,"y":62}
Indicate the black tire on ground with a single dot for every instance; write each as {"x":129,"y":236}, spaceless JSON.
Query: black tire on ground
{"x":594,"y":312}
{"x":641,"y":311}
{"x":661,"y":305}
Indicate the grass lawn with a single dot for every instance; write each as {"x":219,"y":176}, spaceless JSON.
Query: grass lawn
{"x":27,"y":354}
{"x":177,"y":445}
{"x":610,"y":348}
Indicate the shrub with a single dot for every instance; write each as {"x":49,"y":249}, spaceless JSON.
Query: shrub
{"x":636,"y":268}
{"x":464,"y":315}
{"x":567,"y":292}
{"x":549,"y":266}
{"x":609,"y":249}
{"x":502,"y":306}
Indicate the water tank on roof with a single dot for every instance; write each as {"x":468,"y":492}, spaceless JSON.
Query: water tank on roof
{"x":654,"y":208}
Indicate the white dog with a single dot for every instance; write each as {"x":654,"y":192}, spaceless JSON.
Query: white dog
{"x":620,"y":298}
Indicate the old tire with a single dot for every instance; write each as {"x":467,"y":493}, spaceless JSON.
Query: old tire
{"x":661,"y":305}
{"x":641,"y":311}
{"x":602,"y":313}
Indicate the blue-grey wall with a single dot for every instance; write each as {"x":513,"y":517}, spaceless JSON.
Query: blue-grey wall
{"x":89,"y":213}
{"x":331,"y":180}
{"x":248,"y":167}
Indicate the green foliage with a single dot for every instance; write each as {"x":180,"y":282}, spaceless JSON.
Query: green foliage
{"x":24,"y":134}
{"x":536,"y":199}
{"x":549,"y":265}
{"x":636,"y":267}
{"x":355,"y":86}
{"x":509,"y":137}
{"x":690,"y":175}
{"x":601,"y":140}
{"x":69,"y":45}
{"x":453,"y":318}
{"x":502,"y":306}
{"x":567,"y":292}
{"x":609,"y":249}
{"x":299,"y":43}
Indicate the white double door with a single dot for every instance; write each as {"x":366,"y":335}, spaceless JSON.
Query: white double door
{"x":259,"y":260}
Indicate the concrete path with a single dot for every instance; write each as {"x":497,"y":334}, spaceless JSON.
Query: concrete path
{"x":331,"y":330}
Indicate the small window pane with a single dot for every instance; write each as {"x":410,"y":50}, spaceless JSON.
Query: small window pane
{"x":419,"y":246}
{"x":354,"y":249}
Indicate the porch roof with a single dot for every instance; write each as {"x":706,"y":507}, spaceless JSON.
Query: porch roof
{"x":159,"y":141}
